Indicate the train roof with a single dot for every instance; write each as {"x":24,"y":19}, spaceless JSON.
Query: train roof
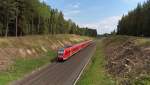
{"x":67,"y":46}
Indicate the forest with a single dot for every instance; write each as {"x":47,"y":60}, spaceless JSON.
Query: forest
{"x":32,"y":17}
{"x":136,"y":22}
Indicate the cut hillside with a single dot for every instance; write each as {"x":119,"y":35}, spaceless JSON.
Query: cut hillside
{"x":32,"y":46}
{"x":23,"y":55}
{"x":128,"y":59}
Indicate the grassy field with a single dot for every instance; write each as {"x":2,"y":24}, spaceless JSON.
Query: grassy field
{"x":24,"y":66}
{"x":95,"y":73}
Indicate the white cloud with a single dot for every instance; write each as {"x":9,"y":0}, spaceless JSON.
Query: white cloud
{"x":106,"y":25}
{"x":76,"y":5}
{"x":72,"y":10}
{"x":43,"y":0}
{"x":71,"y":13}
{"x":134,"y":1}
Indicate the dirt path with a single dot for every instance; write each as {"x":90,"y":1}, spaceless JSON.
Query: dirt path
{"x":64,"y":73}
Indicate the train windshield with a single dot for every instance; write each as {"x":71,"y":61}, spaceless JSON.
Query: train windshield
{"x":61,"y":51}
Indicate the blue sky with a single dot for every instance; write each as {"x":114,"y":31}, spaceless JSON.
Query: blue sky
{"x":102,"y":15}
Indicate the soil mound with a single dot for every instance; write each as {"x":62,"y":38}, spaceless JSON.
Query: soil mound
{"x":128,"y":61}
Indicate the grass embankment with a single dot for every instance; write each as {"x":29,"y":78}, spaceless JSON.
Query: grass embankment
{"x":143,"y":41}
{"x":29,"y":53}
{"x":24,"y":66}
{"x":95,"y":73}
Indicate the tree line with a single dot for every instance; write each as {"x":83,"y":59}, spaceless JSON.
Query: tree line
{"x":136,"y":22}
{"x":32,"y":17}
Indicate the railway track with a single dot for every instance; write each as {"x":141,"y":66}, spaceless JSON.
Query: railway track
{"x":60,"y":73}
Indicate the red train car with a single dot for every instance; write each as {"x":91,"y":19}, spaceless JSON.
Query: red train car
{"x":66,"y":52}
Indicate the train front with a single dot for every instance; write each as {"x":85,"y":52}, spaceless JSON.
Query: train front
{"x":60,"y":54}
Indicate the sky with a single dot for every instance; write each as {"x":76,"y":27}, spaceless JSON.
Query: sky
{"x":102,"y":15}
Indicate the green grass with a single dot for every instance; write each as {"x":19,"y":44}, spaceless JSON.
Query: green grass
{"x":95,"y":73}
{"x":143,"y":42}
{"x":24,"y":66}
{"x":144,"y":80}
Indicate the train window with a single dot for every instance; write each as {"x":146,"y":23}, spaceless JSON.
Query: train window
{"x":61,"y":51}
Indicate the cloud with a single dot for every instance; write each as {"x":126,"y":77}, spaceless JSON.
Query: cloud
{"x":106,"y":25}
{"x":71,"y":13}
{"x":76,"y":5}
{"x":72,"y":10}
{"x":133,"y":1}
{"x":43,"y":0}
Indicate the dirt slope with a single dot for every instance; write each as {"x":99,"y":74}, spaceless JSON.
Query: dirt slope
{"x":32,"y":46}
{"x":128,"y":60}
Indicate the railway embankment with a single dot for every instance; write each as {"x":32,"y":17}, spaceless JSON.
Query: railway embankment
{"x":22,"y":55}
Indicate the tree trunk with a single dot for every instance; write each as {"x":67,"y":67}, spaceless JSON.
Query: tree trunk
{"x":6,"y":32}
{"x":39,"y":25}
{"x":32,"y":27}
{"x":16,"y":26}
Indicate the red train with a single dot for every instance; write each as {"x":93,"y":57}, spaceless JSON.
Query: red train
{"x":68,"y":51}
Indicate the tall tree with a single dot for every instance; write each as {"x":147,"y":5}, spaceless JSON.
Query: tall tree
{"x":29,"y":17}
